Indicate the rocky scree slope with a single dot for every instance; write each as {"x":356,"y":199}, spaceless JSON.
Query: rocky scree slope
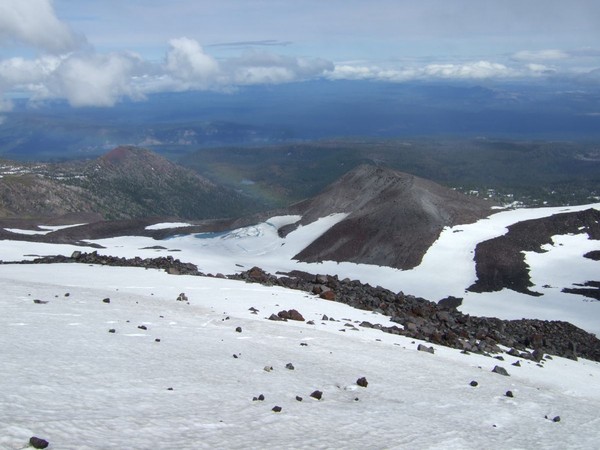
{"x":393,"y":217}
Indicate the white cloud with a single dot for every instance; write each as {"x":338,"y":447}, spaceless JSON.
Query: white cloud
{"x":187,"y":61}
{"x":95,"y":80}
{"x":540,"y":69}
{"x":472,"y":70}
{"x":475,"y":70}
{"x":34,"y":23}
{"x":540,"y":55}
{"x":260,"y":67}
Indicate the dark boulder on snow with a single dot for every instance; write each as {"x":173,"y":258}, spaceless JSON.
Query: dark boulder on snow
{"x":238,"y":329}
{"x":276,"y":409}
{"x":473,"y":383}
{"x":500,"y":371}
{"x":317,"y":394}
{"x":37,"y":442}
{"x":106,"y":300}
{"x":291,"y":314}
{"x":509,"y":394}
{"x":362,"y":382}
{"x":289,"y":366}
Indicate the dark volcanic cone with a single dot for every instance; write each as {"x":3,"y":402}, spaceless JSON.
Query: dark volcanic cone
{"x":393,"y":217}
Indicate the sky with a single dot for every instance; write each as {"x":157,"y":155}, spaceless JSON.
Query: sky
{"x":97,"y":53}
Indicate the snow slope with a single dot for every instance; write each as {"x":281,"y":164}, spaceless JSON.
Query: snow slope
{"x":447,"y":268}
{"x":65,"y":378}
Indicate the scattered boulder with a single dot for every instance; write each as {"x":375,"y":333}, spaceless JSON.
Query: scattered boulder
{"x":40,"y":302}
{"x":291,"y":314}
{"x":289,"y":366}
{"x":500,"y":371}
{"x":157,"y":340}
{"x":362,"y":382}
{"x":509,"y":394}
{"x":182,"y":297}
{"x":238,"y":330}
{"x":268,"y":368}
{"x":260,"y":398}
{"x":37,"y":442}
{"x":474,"y":383}
{"x":317,"y":394}
{"x":143,"y":327}
{"x":274,"y":317}
{"x":424,"y":348}
{"x":450,"y":303}
{"x":556,"y":419}
{"x":298,"y":398}
{"x":112,"y":330}
{"x":517,"y":364}
{"x":276,"y":409}
{"x":106,"y":300}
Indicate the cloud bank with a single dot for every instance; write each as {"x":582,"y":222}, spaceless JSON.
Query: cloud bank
{"x":68,"y":68}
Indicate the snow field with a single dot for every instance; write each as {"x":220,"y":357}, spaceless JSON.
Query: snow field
{"x":67,"y":379}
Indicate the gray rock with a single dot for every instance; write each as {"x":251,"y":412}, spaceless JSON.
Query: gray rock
{"x":424,"y":348}
{"x":500,"y":371}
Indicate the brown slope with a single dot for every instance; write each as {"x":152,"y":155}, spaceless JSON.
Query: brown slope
{"x":393,"y":217}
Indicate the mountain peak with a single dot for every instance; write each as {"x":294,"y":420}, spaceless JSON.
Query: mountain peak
{"x":127,"y":152}
{"x":393,"y":217}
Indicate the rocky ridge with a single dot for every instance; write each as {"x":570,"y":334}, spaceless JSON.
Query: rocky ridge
{"x":440,"y":323}
{"x":500,"y":262}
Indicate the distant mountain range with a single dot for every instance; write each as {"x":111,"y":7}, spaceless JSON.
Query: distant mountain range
{"x":125,"y":183}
